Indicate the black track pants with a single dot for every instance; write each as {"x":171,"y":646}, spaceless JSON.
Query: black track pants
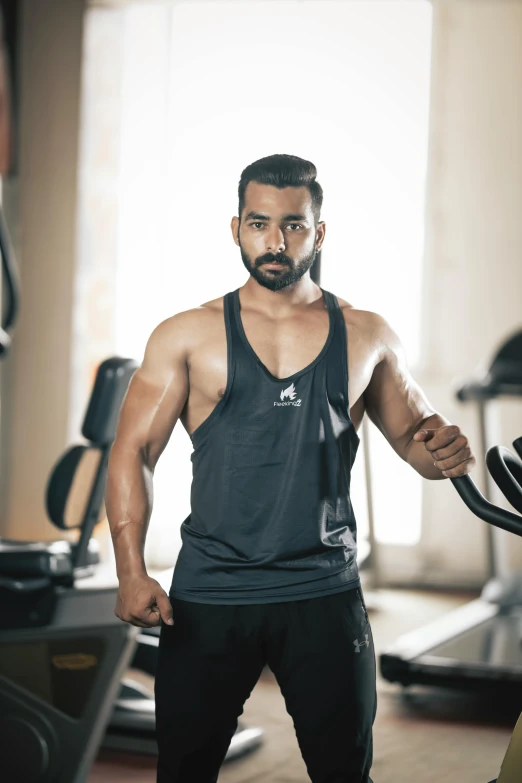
{"x":321,"y":653}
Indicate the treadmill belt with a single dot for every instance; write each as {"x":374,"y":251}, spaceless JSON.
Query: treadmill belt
{"x":495,"y":642}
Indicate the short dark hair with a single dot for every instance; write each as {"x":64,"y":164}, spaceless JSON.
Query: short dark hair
{"x":283,"y":171}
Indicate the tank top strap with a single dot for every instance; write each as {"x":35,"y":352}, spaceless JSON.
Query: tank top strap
{"x":233,"y":340}
{"x":237,"y":355}
{"x":230,"y":318}
{"x":337,"y":355}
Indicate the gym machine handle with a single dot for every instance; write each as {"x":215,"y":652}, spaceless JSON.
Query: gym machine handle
{"x":506,"y":469}
{"x":12,"y":288}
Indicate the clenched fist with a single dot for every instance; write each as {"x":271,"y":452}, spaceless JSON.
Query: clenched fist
{"x":450,"y":449}
{"x":143,"y":602}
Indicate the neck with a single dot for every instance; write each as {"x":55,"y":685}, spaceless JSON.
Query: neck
{"x":300,"y":294}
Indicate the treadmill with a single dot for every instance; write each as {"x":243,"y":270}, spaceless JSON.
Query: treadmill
{"x":477,"y":646}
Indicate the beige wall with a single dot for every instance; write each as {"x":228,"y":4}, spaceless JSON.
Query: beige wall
{"x":36,"y":376}
{"x":473,"y":258}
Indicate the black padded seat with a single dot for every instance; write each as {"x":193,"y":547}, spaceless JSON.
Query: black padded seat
{"x":75,"y":492}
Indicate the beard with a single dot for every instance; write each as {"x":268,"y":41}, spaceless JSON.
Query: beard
{"x":277,"y":279}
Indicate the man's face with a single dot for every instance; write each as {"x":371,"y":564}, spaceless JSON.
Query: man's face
{"x":277,"y":226}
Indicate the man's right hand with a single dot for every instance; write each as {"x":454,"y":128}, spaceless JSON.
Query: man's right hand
{"x":143,"y":602}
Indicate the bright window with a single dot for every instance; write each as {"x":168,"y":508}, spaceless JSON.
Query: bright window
{"x":211,"y":87}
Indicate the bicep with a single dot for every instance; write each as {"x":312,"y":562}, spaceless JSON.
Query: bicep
{"x":156,"y":395}
{"x":394,"y":401}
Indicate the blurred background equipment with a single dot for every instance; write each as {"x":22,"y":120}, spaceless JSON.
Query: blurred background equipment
{"x":506,"y":469}
{"x":62,"y":648}
{"x":479,"y":645}
{"x":9,"y":277}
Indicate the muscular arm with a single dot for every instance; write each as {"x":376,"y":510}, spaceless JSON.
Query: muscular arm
{"x":397,"y":405}
{"x":156,"y":396}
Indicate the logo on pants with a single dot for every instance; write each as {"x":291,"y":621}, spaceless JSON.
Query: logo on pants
{"x":359,"y":644}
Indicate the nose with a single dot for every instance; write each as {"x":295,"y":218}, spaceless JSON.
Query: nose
{"x":276,"y":241}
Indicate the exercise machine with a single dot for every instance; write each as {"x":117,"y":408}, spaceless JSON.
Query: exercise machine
{"x":477,"y":646}
{"x":506,"y":470}
{"x":62,"y":649}
{"x":9,"y":277}
{"x":9,"y":289}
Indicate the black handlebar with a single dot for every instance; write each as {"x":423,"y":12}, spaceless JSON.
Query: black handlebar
{"x":506,"y":469}
{"x":11,"y":288}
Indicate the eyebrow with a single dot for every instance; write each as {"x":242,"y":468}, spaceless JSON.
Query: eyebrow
{"x":261,"y":216}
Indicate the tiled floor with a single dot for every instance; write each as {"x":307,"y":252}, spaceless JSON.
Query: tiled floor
{"x":427,"y":738}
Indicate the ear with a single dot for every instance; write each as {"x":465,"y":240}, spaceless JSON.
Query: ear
{"x":320,"y":233}
{"x":234,"y":225}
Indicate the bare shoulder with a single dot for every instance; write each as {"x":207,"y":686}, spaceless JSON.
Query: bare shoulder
{"x":369,"y":326}
{"x":199,"y":317}
{"x":365,"y":321}
{"x":185,"y":329}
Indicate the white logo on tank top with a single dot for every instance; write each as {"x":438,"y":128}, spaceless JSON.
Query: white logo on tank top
{"x":291,"y":394}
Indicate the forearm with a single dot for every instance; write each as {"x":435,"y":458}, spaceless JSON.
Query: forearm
{"x":416,"y":453}
{"x":128,"y":503}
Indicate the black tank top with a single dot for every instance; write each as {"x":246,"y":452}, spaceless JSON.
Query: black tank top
{"x":271,"y":518}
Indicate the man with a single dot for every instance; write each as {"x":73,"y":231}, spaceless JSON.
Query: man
{"x":271,"y":382}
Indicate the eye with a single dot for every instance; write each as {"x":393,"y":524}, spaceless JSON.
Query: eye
{"x":295,"y":224}
{"x":257,"y":223}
